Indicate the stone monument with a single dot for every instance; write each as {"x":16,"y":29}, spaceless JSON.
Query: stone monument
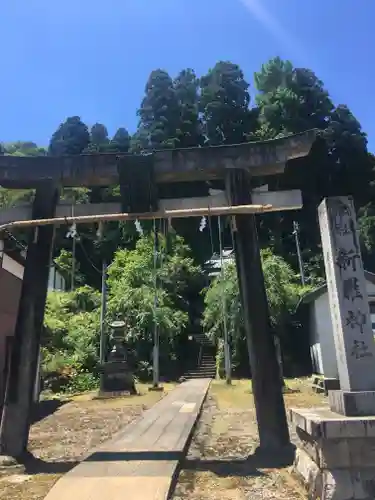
{"x":336,"y":456}
{"x":116,"y":378}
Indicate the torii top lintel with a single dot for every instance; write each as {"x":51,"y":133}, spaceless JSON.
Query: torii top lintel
{"x":171,"y":165}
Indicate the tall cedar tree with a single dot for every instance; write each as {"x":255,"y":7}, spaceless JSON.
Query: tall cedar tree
{"x":186,"y":87}
{"x":120,"y":141}
{"x":98,"y":139}
{"x":293,"y":100}
{"x":224,"y":104}
{"x":158,"y":114}
{"x":186,"y":111}
{"x":71,"y":138}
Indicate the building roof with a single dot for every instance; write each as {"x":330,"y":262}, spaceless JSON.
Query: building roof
{"x":320,"y":290}
{"x":213,"y":265}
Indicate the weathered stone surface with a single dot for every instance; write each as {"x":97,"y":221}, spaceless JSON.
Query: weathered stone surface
{"x":353,"y":335}
{"x":7,"y":461}
{"x":188,"y":164}
{"x":324,"y":423}
{"x":352,"y":403}
{"x":338,"y":453}
{"x":337,"y":462}
{"x":9,"y":465}
{"x":334,"y":484}
{"x":309,"y":472}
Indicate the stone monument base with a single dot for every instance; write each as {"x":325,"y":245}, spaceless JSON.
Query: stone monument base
{"x":156,"y":388}
{"x":335,"y":455}
{"x":331,"y":384}
{"x":115,"y":377}
{"x":353,"y":403}
{"x":113,"y":394}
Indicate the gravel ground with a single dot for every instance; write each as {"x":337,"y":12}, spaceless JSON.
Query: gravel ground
{"x":220,"y":462}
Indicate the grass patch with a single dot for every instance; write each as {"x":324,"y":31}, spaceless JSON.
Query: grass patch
{"x":238,"y":395}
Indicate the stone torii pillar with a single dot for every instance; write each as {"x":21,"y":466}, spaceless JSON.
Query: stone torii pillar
{"x":265,"y":370}
{"x":15,"y":421}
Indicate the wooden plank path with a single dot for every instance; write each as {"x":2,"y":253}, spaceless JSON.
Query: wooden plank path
{"x":141,"y":461}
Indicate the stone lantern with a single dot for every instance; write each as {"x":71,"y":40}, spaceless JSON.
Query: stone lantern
{"x":116,"y":377}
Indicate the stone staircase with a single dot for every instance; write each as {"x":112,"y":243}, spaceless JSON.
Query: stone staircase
{"x":206,"y":364}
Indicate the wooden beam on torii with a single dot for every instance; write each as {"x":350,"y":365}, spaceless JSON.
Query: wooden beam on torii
{"x":234,"y":164}
{"x":267,"y":201}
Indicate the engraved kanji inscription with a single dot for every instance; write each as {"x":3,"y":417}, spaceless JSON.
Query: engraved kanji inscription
{"x":360,"y":350}
{"x":347,"y":259}
{"x":356,"y":320}
{"x":341,"y":218}
{"x":351,"y":289}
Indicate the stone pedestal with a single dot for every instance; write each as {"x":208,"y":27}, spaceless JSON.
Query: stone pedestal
{"x":335,"y":455}
{"x":116,"y":379}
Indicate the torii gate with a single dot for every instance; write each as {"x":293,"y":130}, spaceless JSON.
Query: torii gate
{"x":140,"y":177}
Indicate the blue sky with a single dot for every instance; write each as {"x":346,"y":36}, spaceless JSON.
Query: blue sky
{"x":92,"y":58}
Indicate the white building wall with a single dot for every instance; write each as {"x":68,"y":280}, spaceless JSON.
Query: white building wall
{"x":322,"y":346}
{"x":323,"y":335}
{"x":55,"y":280}
{"x":315,"y":352}
{"x":12,"y":266}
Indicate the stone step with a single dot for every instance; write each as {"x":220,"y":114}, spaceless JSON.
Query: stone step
{"x":204,"y":374}
{"x":202,"y":339}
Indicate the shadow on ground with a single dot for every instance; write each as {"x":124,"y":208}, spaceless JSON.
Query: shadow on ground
{"x":34,"y":465}
{"x":43,"y":409}
{"x":249,"y":466}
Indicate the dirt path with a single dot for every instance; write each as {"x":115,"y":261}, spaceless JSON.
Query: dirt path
{"x":63,"y":434}
{"x":219,"y":463}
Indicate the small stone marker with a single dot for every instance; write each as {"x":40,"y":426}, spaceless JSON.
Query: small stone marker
{"x":348,"y":300}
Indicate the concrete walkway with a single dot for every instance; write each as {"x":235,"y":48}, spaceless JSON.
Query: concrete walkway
{"x":141,"y":462}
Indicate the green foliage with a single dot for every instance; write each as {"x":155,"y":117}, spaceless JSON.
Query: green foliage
{"x":11,"y":197}
{"x":366,"y":223}
{"x":64,"y":261}
{"x":71,"y":337}
{"x":223,"y":297}
{"x":282,"y":287}
{"x":24,"y":148}
{"x":131,"y":281}
{"x":83,"y":381}
{"x":291,"y":99}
